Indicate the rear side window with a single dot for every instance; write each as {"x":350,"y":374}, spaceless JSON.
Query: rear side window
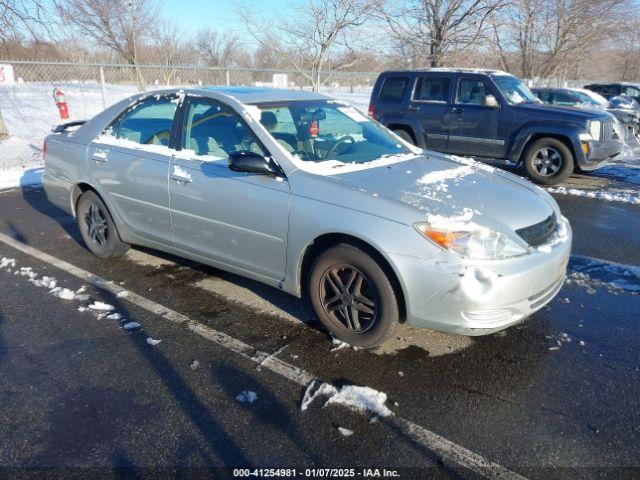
{"x":432,"y":89}
{"x":148,"y":122}
{"x":393,"y":89}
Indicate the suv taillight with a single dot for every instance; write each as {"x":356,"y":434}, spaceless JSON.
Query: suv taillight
{"x":44,"y":150}
{"x":371,"y":110}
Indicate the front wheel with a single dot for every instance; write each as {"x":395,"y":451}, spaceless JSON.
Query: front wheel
{"x":353,"y":297}
{"x":97,"y":227}
{"x":548,"y":161}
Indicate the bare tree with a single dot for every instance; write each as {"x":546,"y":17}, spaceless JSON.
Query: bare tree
{"x":120,"y":25}
{"x":436,"y":26}
{"x":20,"y":17}
{"x":217,"y":49}
{"x":548,"y":38}
{"x":309,"y":37}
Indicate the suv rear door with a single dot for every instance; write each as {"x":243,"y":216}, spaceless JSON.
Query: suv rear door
{"x":430,"y":99}
{"x":472,"y":124}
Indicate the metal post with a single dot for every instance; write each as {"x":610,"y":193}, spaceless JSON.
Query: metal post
{"x":104,"y":91}
{"x":227,"y":75}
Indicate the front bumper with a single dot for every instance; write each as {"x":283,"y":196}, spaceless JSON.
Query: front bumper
{"x":598,"y":151}
{"x":438,"y":296}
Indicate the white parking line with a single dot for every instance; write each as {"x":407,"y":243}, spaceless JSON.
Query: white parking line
{"x":446,"y":449}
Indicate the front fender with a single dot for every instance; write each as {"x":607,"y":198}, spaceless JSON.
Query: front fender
{"x":522,"y":137}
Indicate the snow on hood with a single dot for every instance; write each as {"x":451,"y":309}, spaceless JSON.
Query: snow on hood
{"x":453,"y":189}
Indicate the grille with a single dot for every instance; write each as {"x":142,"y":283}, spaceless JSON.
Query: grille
{"x":607,"y":130}
{"x":539,"y":233}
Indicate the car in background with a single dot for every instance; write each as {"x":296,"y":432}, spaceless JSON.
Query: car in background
{"x":307,"y":194}
{"x":489,"y":114}
{"x":624,"y":108}
{"x":610,"y":90}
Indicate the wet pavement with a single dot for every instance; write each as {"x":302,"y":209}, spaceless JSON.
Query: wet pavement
{"x":557,"y":396}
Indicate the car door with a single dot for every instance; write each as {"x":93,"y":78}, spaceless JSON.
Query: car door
{"x":234,"y":218}
{"x":129,"y":163}
{"x":472,"y":124}
{"x":430,"y":99}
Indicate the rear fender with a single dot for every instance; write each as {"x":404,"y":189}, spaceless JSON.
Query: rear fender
{"x":408,"y":122}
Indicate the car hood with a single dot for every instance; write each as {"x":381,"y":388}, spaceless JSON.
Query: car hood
{"x":575,"y":113}
{"x":452,"y":187}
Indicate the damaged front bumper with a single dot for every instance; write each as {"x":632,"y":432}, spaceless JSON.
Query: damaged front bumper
{"x":481,"y":298}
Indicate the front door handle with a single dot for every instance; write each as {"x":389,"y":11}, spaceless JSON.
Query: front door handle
{"x":414,"y":107}
{"x":180,"y":175}
{"x":457,"y":110}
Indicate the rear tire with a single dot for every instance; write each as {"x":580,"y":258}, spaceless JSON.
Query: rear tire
{"x":353,"y":297}
{"x":97,"y":227}
{"x":406,"y":136}
{"x":548,"y":161}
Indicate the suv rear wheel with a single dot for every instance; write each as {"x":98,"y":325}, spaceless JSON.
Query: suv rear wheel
{"x":353,"y":296}
{"x":406,"y":136}
{"x":548,"y":161}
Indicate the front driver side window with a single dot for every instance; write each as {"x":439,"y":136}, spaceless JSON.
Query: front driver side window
{"x":212,"y":129}
{"x":148,"y":123}
{"x":471,"y":92}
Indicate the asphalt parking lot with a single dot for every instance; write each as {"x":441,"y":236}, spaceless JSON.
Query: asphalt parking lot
{"x":557,"y":396}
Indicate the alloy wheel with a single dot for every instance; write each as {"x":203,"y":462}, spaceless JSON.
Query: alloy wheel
{"x":349,"y":298}
{"x":547,"y":161}
{"x":97,"y":226}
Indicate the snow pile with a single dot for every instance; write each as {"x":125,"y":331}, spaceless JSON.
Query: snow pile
{"x":247,"y":396}
{"x":131,"y":325}
{"x":357,"y":398}
{"x":345,"y":432}
{"x":610,"y":195}
{"x":591,"y":274}
{"x":152,"y":341}
{"x":63,"y":293}
{"x":101,"y":306}
{"x":461,"y":221}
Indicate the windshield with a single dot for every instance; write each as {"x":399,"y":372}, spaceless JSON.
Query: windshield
{"x":514,"y":90}
{"x":584,"y":98}
{"x":321,"y":130}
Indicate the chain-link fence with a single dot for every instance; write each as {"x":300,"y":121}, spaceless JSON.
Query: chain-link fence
{"x":29,"y":111}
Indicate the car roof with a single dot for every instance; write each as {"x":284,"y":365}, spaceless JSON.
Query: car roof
{"x":261,"y":94}
{"x":486,"y":71}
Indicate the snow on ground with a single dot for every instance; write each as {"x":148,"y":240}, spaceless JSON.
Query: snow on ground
{"x":247,"y":396}
{"x":354,"y":397}
{"x":610,"y":194}
{"x":591,"y":274}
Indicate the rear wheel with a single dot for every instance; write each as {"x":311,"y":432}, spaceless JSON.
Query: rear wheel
{"x":97,"y":227}
{"x":406,"y":136}
{"x":353,"y":296}
{"x":548,"y":161}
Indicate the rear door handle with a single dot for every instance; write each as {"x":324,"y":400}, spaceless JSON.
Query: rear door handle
{"x":457,"y":110}
{"x":180,"y":179}
{"x":99,"y":156}
{"x":414,"y":107}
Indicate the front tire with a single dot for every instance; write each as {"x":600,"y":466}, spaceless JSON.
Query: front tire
{"x":97,"y":227}
{"x":548,"y":161}
{"x":353,"y":297}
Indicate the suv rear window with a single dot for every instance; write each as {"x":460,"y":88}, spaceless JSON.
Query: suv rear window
{"x":393,"y":89}
{"x":432,"y":89}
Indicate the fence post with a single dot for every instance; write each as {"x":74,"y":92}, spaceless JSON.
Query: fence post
{"x":104,"y":91}
{"x":227,"y":75}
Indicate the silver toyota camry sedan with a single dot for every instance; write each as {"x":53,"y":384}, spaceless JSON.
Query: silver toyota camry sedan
{"x":307,"y":194}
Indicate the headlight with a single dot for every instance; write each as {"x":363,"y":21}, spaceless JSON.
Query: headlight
{"x":478,"y":243}
{"x":594,"y":129}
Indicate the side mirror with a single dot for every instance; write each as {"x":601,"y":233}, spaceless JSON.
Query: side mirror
{"x":490,"y":101}
{"x":251,"y":162}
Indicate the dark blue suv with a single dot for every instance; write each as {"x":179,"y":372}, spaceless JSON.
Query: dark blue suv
{"x":493,"y":115}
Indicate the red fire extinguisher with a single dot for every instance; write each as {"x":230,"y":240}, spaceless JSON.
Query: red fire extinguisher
{"x":61,"y":103}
